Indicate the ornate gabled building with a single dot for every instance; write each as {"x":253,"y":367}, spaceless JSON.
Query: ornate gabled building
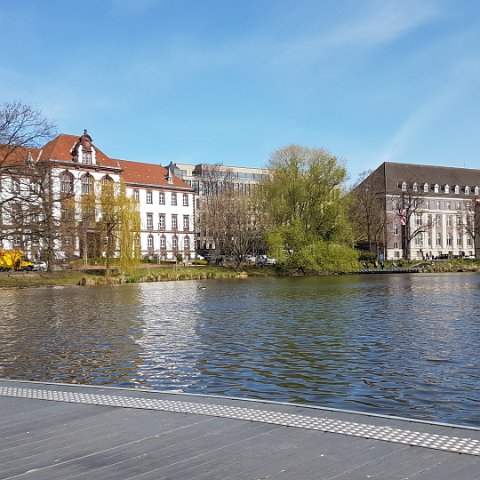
{"x":430,"y":211}
{"x":74,"y":167}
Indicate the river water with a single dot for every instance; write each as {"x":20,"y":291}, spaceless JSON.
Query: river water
{"x":403,"y":345}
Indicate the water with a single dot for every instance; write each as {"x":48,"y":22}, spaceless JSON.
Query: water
{"x":403,"y":345}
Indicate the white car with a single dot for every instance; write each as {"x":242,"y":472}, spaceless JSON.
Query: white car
{"x":39,"y":266}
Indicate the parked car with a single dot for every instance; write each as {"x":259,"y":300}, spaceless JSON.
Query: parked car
{"x":250,"y":259}
{"x":199,"y":257}
{"x":39,"y":266}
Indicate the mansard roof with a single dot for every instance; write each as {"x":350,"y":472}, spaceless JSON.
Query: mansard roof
{"x":388,"y":176}
{"x":149,"y":175}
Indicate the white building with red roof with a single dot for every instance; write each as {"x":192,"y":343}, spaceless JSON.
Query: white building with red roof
{"x":78,"y":167}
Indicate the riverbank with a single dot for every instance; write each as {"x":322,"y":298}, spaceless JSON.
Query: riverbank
{"x":154,"y":273}
{"x":96,"y":276}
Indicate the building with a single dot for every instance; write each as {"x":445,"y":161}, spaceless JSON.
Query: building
{"x":429,"y":211}
{"x":207,"y":180}
{"x":74,"y":167}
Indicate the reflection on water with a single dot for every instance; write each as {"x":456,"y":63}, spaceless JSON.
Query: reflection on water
{"x":396,"y":344}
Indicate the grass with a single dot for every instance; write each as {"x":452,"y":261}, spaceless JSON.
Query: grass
{"x":154,"y":274}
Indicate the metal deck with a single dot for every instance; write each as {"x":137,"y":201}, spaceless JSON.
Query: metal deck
{"x":52,"y":431}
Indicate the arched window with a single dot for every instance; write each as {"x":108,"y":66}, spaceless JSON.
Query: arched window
{"x":106,"y":180}
{"x":87,"y":184}
{"x":415,"y":187}
{"x":425,"y":188}
{"x":457,"y":189}
{"x":66,"y":182}
{"x":435,"y":188}
{"x":446,"y":189}
{"x":150,"y":241}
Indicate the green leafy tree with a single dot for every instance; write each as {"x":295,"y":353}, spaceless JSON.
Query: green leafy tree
{"x":304,"y":207}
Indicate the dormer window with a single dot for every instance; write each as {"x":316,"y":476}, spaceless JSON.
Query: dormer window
{"x":404,"y":186}
{"x":87,"y":158}
{"x":467,"y":190}
{"x":415,"y":187}
{"x":476,"y":191}
{"x":446,"y":189}
{"x":457,"y":189}
{"x":425,"y":188}
{"x":435,"y":188}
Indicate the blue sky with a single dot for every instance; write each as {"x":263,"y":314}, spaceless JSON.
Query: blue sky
{"x":231,"y":81}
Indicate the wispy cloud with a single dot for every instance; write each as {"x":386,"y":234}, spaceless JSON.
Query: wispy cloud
{"x":463,"y":81}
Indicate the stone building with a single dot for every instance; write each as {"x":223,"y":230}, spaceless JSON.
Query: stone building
{"x":429,"y":211}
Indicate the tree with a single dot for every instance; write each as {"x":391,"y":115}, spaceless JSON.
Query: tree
{"x":118,"y":225}
{"x":367,"y":213}
{"x":408,"y":208}
{"x":21,"y":127}
{"x":228,"y":215}
{"x":305,"y":205}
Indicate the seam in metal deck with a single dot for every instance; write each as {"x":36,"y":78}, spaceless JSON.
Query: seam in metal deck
{"x":447,"y":443}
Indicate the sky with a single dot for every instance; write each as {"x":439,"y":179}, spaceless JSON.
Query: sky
{"x":231,"y":81}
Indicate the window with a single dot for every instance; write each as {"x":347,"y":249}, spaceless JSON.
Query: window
{"x":87,"y":184}
{"x":435,"y":188}
{"x":186,"y":242}
{"x":185,"y":200}
{"x":415,"y":187}
{"x":459,"y":221}
{"x":438,"y":220}
{"x":439,"y":205}
{"x":174,"y":242}
{"x":395,"y":244}
{"x":467,"y":190}
{"x":106,"y":180}
{"x":419,"y":241}
{"x":395,"y":228}
{"x":149,"y":196}
{"x":186,"y":222}
{"x":476,"y":191}
{"x":15,"y":185}
{"x":457,"y":189}
{"x":446,"y":189}
{"x":449,"y":221}
{"x":149,"y":220}
{"x":425,"y":188}
{"x":87,"y":157}
{"x":161,"y":220}
{"x":459,"y":241}
{"x":174,"y":222}
{"x":404,"y":186}
{"x":418,"y":219}
{"x":136,"y":195}
{"x":469,"y":241}
{"x":174,"y":199}
{"x":163,"y":241}
{"x":449,"y":239}
{"x":161,"y":198}
{"x":66,"y":182}
{"x":438,"y":240}
{"x":150,"y":241}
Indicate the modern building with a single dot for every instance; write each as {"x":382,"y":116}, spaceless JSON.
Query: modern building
{"x":208,"y":179}
{"x":429,"y":211}
{"x":76,"y":168}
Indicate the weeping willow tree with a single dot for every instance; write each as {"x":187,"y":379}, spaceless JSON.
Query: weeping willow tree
{"x":118,"y":226}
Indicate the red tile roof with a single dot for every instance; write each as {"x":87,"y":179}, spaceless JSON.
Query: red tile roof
{"x":148,"y":174}
{"x":60,"y":149}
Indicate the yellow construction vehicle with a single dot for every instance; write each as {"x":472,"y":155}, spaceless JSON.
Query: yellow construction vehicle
{"x":14,"y":260}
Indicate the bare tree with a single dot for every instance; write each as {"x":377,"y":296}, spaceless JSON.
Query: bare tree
{"x":408,"y":207}
{"x":469,"y":223}
{"x":21,"y":126}
{"x":368,"y":213}
{"x":228,"y":215}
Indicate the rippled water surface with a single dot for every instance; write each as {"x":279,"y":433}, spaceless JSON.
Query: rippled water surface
{"x":398,"y":344}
